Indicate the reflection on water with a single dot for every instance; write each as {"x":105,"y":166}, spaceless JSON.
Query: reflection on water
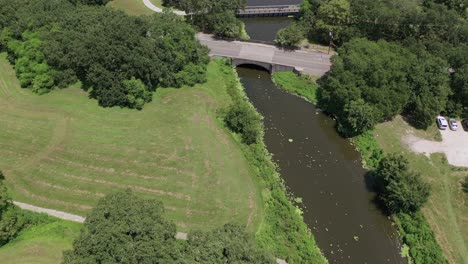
{"x":325,"y":170}
{"x":265,"y":28}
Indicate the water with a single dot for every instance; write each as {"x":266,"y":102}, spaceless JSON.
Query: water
{"x":325,"y":170}
{"x":265,"y":28}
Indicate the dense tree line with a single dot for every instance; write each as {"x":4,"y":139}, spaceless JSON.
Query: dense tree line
{"x":124,"y":228}
{"x":121,"y":59}
{"x":214,"y":16}
{"x":371,"y":82}
{"x":394,"y":57}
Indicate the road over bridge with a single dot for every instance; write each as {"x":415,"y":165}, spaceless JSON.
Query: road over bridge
{"x":269,"y":57}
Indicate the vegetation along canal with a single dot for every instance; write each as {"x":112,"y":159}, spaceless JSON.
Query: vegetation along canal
{"x":322,"y":168}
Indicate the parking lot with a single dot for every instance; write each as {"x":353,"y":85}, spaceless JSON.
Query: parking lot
{"x":454,"y":144}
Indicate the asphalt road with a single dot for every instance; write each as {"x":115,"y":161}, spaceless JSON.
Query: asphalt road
{"x":310,"y":61}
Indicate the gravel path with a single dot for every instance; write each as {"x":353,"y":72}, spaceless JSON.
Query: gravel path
{"x":70,"y":217}
{"x":151,"y":6}
{"x":454,"y":145}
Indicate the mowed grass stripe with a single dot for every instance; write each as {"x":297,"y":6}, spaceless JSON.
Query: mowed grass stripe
{"x":63,"y":151}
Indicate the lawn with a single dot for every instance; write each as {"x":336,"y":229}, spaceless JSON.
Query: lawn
{"x":133,"y":7}
{"x":446,"y":210}
{"x":41,"y":244}
{"x":62,"y":151}
{"x":304,"y":86}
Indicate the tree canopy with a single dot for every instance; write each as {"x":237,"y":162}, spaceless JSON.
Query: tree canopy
{"x":124,"y":228}
{"x":400,"y":189}
{"x":215,"y":16}
{"x":55,"y":43}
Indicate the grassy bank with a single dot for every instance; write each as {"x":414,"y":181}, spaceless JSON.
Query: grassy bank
{"x":43,"y":243}
{"x":283,"y":230}
{"x":63,"y":151}
{"x":446,"y":211}
{"x":304,"y":86}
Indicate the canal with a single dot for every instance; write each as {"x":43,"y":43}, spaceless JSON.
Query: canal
{"x":319,"y":166}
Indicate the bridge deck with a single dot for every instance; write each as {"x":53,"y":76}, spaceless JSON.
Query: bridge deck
{"x":278,"y":10}
{"x":311,"y":62}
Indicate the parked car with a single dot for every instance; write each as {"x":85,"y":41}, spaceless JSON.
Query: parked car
{"x":453,"y":124}
{"x":442,"y":123}
{"x":464,"y":124}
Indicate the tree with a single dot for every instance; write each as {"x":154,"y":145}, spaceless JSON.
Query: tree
{"x":243,"y":119}
{"x":228,"y":244}
{"x":137,"y":93}
{"x":429,"y":82}
{"x":400,"y":189}
{"x":124,"y":228}
{"x":368,"y":83}
{"x":290,"y":36}
{"x":215,"y":16}
{"x":332,"y":16}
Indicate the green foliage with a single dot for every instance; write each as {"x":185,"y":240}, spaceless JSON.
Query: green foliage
{"x":215,"y":16}
{"x":303,"y":85}
{"x":90,"y":2}
{"x":124,"y":228}
{"x":12,"y":219}
{"x":369,"y":148}
{"x":244,"y":119}
{"x":228,"y":244}
{"x":465,"y":185}
{"x":429,"y":82}
{"x":102,"y":48}
{"x":137,"y":93}
{"x":31,"y":68}
{"x":400,"y":189}
{"x":417,"y":234}
{"x":367,"y":84}
{"x":290,"y":36}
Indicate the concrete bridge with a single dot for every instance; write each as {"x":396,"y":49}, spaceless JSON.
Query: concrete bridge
{"x":269,"y":57}
{"x":272,"y":10}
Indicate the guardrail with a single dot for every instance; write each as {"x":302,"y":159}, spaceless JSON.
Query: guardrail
{"x":275,"y":10}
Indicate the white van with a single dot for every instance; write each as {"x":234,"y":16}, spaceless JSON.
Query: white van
{"x":442,"y":123}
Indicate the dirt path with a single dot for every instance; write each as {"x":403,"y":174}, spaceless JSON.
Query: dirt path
{"x":151,"y":6}
{"x":454,"y":145}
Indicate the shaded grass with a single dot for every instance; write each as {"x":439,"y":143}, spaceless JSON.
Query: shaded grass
{"x":304,"y":86}
{"x":63,"y":151}
{"x":446,"y":210}
{"x":41,"y":244}
{"x":133,"y":7}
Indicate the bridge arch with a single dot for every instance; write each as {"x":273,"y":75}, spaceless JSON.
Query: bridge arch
{"x":264,"y":65}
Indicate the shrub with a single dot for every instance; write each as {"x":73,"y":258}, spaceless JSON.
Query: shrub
{"x":417,"y":234}
{"x":400,"y":189}
{"x":243,"y":119}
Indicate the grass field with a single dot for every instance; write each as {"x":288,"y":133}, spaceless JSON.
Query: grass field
{"x":40,"y":244}
{"x":447,"y":210}
{"x":304,"y":86}
{"x":63,"y":151}
{"x":133,"y":7}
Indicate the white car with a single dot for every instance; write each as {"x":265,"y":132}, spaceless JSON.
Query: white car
{"x":453,"y":124}
{"x":442,"y":123}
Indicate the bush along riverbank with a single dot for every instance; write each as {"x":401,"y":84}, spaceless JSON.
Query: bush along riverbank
{"x":420,"y":244}
{"x":282,"y":230}
{"x":415,"y":232}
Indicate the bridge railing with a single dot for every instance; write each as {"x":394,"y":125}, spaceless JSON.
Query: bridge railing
{"x":276,"y":10}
